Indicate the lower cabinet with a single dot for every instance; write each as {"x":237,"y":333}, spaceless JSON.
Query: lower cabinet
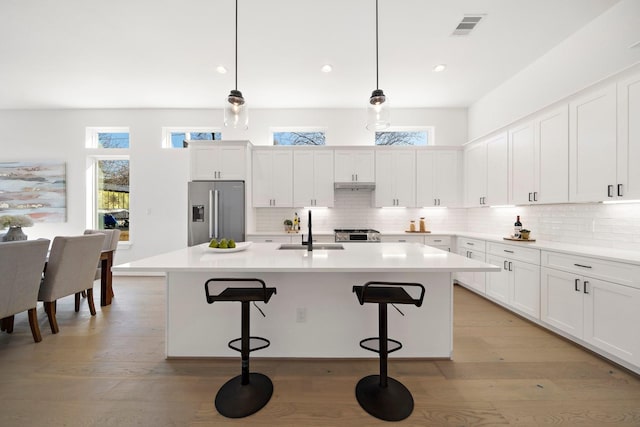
{"x":440,"y":242}
{"x":403,"y":238}
{"x":600,"y":313}
{"x":474,"y":249}
{"x":264,"y":238}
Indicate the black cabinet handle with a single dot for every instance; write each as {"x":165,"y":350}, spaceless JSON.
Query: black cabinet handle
{"x":510,"y":264}
{"x":530,"y":194}
{"x":535,"y":196}
{"x":508,"y":251}
{"x":470,"y":244}
{"x":610,"y":190}
{"x":620,"y":190}
{"x":583,"y":266}
{"x":584,"y":287}
{"x":505,"y":264}
{"x":577,"y":284}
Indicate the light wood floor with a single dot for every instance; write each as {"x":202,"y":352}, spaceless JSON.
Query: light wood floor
{"x":110,"y":371}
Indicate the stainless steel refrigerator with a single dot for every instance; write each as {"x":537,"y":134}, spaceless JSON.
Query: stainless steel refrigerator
{"x":216,"y":209}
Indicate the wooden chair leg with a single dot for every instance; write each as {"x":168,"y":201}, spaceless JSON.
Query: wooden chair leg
{"x":77,"y":298}
{"x":50,"y":309}
{"x":2,"y":324}
{"x":92,"y":307}
{"x":33,"y":322}
{"x":7,"y":324}
{"x":84,"y":294}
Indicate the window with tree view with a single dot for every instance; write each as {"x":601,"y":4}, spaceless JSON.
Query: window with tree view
{"x":112,"y":178}
{"x":420,"y":137}
{"x":178,"y":138}
{"x":299,"y":138}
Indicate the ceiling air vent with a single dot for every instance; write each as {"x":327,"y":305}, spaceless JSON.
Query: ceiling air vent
{"x":468,"y":24}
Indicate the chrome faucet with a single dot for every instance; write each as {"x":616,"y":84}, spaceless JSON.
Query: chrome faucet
{"x":309,"y":241}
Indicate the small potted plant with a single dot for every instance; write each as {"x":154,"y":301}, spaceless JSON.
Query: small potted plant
{"x":524,"y":234}
{"x":288,"y":224}
{"x":15,"y":224}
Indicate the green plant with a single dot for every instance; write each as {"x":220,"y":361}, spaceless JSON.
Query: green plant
{"x":524,"y":230}
{"x":288,"y":222}
{"x":15,"y":221}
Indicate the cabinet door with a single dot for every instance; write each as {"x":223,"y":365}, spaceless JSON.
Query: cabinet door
{"x":426,"y":178}
{"x":497,"y":285}
{"x":475,"y":174}
{"x":447,"y":178}
{"x":524,"y":292}
{"x":363,"y":165}
{"x":261,"y":169}
{"x":323,"y":178}
{"x":282,"y":178}
{"x":561,"y":304}
{"x":343,"y":171}
{"x":232,"y":162}
{"x":303,"y":178}
{"x":521,"y":164}
{"x":385,"y":179}
{"x":497,"y":170}
{"x":395,"y":178}
{"x":465,"y":277}
{"x":473,"y":279}
{"x":629,"y":138}
{"x":592,"y":145}
{"x":552,"y":157}
{"x":204,"y":162}
{"x":611,"y":317}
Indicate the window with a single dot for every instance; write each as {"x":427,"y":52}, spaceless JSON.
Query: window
{"x":108,"y":179}
{"x":405,"y":137}
{"x":298,"y":137}
{"x":176,"y":137}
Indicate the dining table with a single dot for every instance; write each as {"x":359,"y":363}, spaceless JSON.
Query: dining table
{"x":106,"y":279}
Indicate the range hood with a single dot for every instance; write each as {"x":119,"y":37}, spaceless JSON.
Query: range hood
{"x":351,"y":185}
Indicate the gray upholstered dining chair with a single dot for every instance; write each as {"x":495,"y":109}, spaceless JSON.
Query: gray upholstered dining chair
{"x":21,"y":265}
{"x":111,"y":239}
{"x":70,"y":270}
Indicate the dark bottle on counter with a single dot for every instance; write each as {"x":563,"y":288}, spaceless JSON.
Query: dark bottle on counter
{"x":516,"y":228}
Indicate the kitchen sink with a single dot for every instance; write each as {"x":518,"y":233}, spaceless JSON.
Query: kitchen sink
{"x":316,"y":246}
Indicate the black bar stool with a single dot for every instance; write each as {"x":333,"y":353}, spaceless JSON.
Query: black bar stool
{"x":379,"y":395}
{"x":249,"y":392}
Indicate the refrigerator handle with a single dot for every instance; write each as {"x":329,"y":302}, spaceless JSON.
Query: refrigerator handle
{"x":213,"y":214}
{"x":216,"y":212}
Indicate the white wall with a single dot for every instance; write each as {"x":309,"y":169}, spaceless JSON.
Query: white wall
{"x":596,"y":51}
{"x":158,"y":212}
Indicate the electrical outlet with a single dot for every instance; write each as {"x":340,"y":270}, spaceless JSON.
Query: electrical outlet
{"x":301,"y":314}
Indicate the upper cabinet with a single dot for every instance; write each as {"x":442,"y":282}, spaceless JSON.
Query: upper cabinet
{"x":395,"y":177}
{"x":486,"y":172}
{"x":313,"y":177}
{"x":224,"y":160}
{"x":272,"y":177}
{"x":539,"y":159}
{"x":592,"y":145}
{"x":354,"y":165}
{"x":437,"y":178}
{"x":628,"y":183}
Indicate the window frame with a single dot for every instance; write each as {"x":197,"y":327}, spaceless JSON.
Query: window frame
{"x":92,"y":140}
{"x":301,"y":129}
{"x":168,"y":130}
{"x":430,"y":131}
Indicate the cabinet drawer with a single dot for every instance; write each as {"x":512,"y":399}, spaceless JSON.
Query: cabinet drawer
{"x":476,"y":245}
{"x":402,"y":238}
{"x":514,"y":252}
{"x":277,"y":238}
{"x":618,"y":272}
{"x":437,"y":240}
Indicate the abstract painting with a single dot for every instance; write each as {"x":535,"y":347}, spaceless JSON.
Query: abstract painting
{"x":35,"y":189}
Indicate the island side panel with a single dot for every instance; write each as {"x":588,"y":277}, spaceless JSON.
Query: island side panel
{"x":332,"y":326}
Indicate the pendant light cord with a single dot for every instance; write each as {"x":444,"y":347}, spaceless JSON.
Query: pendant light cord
{"x":377,"y":85}
{"x":237,"y":43}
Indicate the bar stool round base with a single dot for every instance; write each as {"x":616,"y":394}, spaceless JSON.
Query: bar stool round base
{"x":235,"y":400}
{"x":391,"y":403}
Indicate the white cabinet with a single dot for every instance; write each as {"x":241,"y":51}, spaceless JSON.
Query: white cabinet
{"x":474,"y":249}
{"x":487,"y":172}
{"x":354,"y":165}
{"x":437,"y":178}
{"x":518,"y":284}
{"x":592,"y":146}
{"x":440,"y":242}
{"x":272,"y":177}
{"x":539,"y":159}
{"x":217,"y":160}
{"x":313,"y":177}
{"x":395,"y":178}
{"x":267,"y":238}
{"x":628,"y":182}
{"x":601,"y":313}
{"x":403,"y":238}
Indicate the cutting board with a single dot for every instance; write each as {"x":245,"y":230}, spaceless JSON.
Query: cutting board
{"x":417,"y":232}
{"x":513,"y":239}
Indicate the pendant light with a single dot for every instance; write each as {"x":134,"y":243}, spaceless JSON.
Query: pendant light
{"x":378,"y":114}
{"x":236,"y":114}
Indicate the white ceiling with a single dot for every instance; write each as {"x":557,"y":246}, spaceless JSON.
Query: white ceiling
{"x":164,"y":53}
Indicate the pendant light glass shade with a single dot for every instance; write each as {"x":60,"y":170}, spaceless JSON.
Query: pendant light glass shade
{"x":378,"y":112}
{"x":236,"y":112}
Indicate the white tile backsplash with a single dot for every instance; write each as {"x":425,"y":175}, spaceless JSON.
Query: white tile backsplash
{"x":593,"y":224}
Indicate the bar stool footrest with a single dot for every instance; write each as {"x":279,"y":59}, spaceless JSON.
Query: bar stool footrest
{"x":373,"y":344}
{"x":255,"y":343}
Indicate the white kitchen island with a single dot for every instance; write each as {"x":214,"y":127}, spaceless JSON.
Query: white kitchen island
{"x":314,"y":313}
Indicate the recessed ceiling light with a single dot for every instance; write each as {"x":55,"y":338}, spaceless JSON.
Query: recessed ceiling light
{"x":439,"y":67}
{"x":221,"y":69}
{"x":326,"y":68}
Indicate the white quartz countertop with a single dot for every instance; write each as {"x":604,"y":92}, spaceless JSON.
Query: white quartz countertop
{"x":265,"y":257}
